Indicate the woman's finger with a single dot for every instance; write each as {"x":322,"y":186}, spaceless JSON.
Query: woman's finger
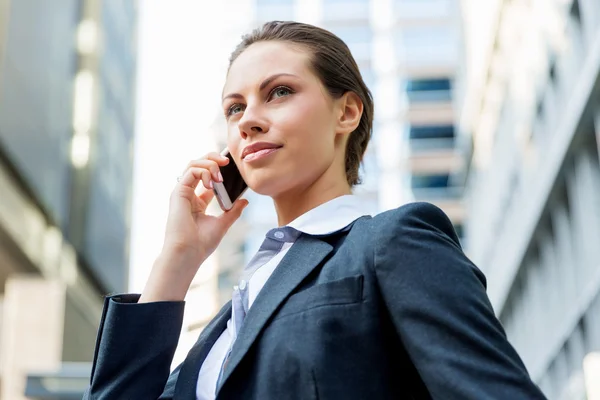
{"x":192,"y":177}
{"x":211,"y":165}
{"x":207,"y":178}
{"x":218,"y":158}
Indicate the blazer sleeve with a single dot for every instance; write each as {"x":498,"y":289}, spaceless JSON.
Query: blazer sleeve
{"x":134,"y":349}
{"x":438,"y":304}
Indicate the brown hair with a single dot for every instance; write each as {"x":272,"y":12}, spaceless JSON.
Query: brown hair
{"x":335,"y":66}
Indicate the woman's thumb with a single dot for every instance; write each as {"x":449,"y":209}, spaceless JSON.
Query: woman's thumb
{"x":229,"y":217}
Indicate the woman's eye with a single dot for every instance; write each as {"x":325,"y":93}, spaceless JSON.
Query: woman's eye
{"x":234,"y":109}
{"x":280,"y":91}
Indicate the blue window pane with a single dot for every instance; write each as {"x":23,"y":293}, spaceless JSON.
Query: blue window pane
{"x":432,"y":132}
{"x":428,"y":90}
{"x":427,"y":85}
{"x":430,"y":181}
{"x":434,"y":137}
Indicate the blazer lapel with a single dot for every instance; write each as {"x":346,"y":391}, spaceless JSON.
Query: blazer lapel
{"x":304,"y":256}
{"x":185,"y":387}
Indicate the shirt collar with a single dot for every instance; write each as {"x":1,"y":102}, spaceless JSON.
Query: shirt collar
{"x":330,"y":217}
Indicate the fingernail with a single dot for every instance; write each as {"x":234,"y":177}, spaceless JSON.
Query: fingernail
{"x":210,"y":184}
{"x":220,"y":177}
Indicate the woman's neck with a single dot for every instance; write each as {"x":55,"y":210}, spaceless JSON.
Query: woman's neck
{"x":291,"y":205}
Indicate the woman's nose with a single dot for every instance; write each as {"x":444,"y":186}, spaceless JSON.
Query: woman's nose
{"x":252,"y":123}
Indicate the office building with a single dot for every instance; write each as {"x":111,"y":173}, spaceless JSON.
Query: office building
{"x":529,"y":95}
{"x":67,"y":78}
{"x":422,"y":158}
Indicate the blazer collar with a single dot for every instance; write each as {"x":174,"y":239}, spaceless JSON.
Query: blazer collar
{"x":185,"y":387}
{"x":302,"y":258}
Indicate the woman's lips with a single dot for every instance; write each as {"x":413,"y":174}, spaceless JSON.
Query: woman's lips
{"x":257,"y":155}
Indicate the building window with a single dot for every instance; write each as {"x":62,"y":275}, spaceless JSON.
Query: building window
{"x":431,"y":137}
{"x":432,"y":132}
{"x":429,"y":187}
{"x":434,"y":181}
{"x":426,"y":90}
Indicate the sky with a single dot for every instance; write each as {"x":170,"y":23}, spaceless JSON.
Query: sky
{"x":181,"y":70}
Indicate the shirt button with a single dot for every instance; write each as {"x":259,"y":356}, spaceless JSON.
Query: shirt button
{"x":242,"y":284}
{"x":279,"y":235}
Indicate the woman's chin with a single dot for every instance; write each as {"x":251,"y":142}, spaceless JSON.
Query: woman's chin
{"x":268,"y":186}
{"x":264,"y":190}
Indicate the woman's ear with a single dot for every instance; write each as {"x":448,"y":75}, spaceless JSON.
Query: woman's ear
{"x":350,"y":112}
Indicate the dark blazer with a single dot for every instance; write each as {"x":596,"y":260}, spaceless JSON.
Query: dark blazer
{"x":388,"y":308}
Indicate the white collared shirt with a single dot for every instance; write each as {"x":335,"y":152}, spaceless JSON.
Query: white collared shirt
{"x":327,"y":218}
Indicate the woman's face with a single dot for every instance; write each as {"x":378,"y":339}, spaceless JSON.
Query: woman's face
{"x":281,"y":121}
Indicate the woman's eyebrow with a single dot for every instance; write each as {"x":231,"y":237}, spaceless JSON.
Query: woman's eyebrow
{"x":263,"y":85}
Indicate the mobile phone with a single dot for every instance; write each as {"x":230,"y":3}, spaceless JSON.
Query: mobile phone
{"x":233,"y":185}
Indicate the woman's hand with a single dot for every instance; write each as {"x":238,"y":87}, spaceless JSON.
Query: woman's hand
{"x":191,"y":235}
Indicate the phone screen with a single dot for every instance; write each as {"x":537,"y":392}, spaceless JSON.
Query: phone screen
{"x":232,"y":179}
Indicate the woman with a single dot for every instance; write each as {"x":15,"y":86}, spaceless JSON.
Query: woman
{"x":336,"y":305}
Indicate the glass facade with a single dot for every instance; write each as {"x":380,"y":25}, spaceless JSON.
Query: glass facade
{"x":560,"y":266}
{"x":36,"y":125}
{"x":534,"y":223}
{"x":36,"y":98}
{"x":107,"y":221}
